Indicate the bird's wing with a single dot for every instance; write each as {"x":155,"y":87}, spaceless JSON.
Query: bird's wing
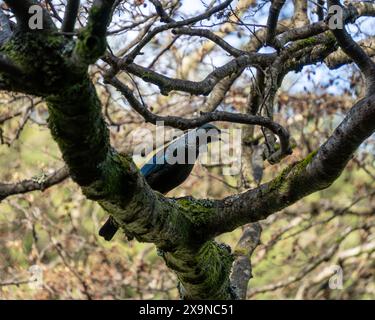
{"x":160,"y":159}
{"x":153,"y":165}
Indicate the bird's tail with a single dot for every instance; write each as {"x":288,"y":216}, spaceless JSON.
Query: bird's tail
{"x":109,"y":229}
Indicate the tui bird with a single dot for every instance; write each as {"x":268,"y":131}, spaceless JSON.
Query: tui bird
{"x":171,"y":166}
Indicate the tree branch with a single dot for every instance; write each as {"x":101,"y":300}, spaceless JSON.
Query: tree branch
{"x":8,"y":189}
{"x":9,"y":68}
{"x":5,"y":29}
{"x":211,"y":36}
{"x":70,"y":16}
{"x":241,"y":271}
{"x":316,"y":172}
{"x":184,"y":124}
{"x":92,"y":42}
{"x":182,"y":229}
{"x":340,"y":58}
{"x":54,"y":11}
{"x":172,"y":25}
{"x":164,"y":17}
{"x":315,"y":262}
{"x":300,"y":13}
{"x":218,"y":93}
{"x":354,"y":50}
{"x":273,"y":17}
{"x":21,"y":11}
{"x":205,"y":86}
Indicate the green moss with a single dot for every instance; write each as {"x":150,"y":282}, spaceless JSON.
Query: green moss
{"x":197,"y":211}
{"x":280,"y":182}
{"x":203,"y":274}
{"x":92,"y":42}
{"x":241,"y":252}
{"x":29,"y":47}
{"x":303,"y":163}
{"x":78,"y":127}
{"x":277,"y":182}
{"x":109,"y":178}
{"x":309,"y":41}
{"x":89,"y":47}
{"x":42,"y":56}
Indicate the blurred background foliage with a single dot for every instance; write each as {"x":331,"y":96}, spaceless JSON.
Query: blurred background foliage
{"x":301,"y":247}
{"x":57,"y":229}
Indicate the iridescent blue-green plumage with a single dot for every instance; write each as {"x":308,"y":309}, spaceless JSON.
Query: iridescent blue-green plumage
{"x":164,"y":177}
{"x":162,"y":173}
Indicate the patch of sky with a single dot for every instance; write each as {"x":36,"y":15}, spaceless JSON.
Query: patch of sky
{"x":317,"y":78}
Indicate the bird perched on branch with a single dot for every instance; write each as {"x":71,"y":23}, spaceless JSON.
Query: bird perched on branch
{"x":171,"y":166}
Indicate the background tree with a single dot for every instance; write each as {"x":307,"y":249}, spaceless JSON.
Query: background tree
{"x":91,"y":61}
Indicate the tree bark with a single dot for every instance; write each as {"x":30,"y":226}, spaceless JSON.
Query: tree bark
{"x":54,"y":67}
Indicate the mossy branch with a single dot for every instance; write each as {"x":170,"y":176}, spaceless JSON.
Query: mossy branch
{"x":92,"y":42}
{"x":21,"y":12}
{"x":182,"y":229}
